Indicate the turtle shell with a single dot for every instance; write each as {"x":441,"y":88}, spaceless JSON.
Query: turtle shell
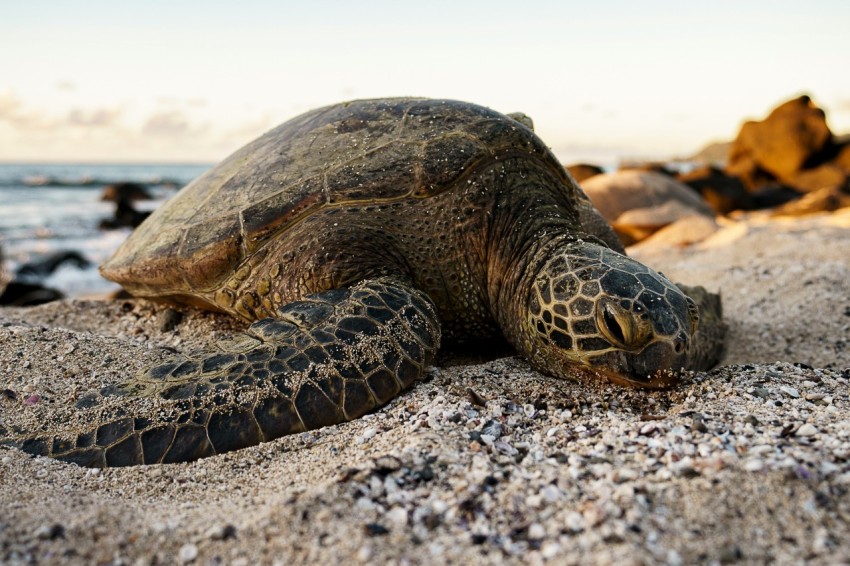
{"x":362,"y":151}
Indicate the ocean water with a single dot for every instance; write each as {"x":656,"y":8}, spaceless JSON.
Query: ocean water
{"x":46,"y":209}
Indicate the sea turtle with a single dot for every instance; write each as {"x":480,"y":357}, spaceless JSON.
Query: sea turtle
{"x":352,"y":238}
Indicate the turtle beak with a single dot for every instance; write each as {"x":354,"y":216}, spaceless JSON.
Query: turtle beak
{"x":657,"y":366}
{"x":659,"y":359}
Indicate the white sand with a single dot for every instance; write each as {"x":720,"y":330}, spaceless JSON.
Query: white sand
{"x":750,"y":461}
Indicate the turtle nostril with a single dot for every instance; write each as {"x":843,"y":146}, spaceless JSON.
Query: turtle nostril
{"x":679,"y":348}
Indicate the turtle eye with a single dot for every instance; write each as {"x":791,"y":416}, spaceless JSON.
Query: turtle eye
{"x":621,"y":326}
{"x":612,"y":326}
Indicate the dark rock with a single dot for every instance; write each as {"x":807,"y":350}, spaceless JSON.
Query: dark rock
{"x":27,"y":290}
{"x":375,"y":529}
{"x":773,"y":194}
{"x":126,"y":216}
{"x":842,"y":157}
{"x":792,"y":136}
{"x":50,"y":532}
{"x":423,"y":474}
{"x":748,"y":171}
{"x":582,"y":171}
{"x":19,"y":294}
{"x":723,"y":192}
{"x":222,"y":532}
{"x":123,"y":195}
{"x":125,"y":192}
{"x":49,"y":263}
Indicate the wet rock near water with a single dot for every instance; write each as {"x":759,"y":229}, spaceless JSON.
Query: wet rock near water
{"x":125,"y":191}
{"x":21,"y":294}
{"x":28,"y":288}
{"x":47,"y":264}
{"x":126,"y":216}
{"x":124,"y":195}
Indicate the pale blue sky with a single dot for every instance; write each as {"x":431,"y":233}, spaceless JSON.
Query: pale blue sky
{"x":178,"y":81}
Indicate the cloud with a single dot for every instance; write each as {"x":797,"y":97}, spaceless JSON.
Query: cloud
{"x":9,"y":105}
{"x":233,"y":138}
{"x":252,"y":128}
{"x":98,"y":117}
{"x":12,"y":111}
{"x":173,"y":102}
{"x":67,"y":86}
{"x":69,"y":132}
{"x":170,"y":123}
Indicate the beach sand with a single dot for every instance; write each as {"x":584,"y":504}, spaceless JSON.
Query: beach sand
{"x":749,"y":462}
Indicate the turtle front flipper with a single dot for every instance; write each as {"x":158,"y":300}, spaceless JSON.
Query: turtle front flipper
{"x":329,"y":358}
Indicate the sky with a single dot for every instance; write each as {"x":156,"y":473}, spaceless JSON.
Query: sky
{"x":192,"y":81}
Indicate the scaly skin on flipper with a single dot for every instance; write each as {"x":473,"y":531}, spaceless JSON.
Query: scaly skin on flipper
{"x":461,"y":210}
{"x":328,"y":359}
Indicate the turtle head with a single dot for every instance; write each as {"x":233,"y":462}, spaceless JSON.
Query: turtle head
{"x":590,"y":306}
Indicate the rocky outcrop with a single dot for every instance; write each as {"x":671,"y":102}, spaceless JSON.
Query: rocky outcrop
{"x":792,"y":137}
{"x":582,"y":171}
{"x":828,"y":199}
{"x":842,"y":158}
{"x":723,"y":192}
{"x":826,"y":176}
{"x":639,"y":203}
